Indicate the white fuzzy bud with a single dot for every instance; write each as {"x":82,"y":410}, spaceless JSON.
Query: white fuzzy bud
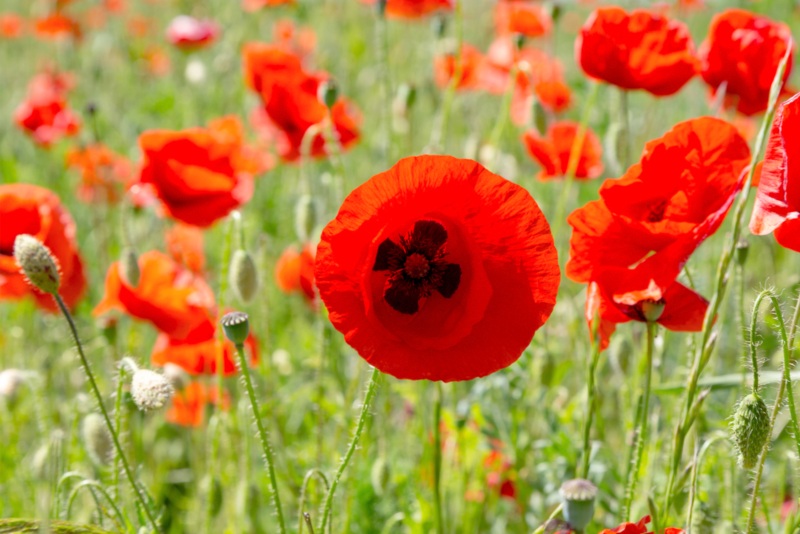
{"x":150,"y":390}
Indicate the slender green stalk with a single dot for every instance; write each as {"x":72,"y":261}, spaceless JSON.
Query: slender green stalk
{"x":698,"y":461}
{"x":591,"y":392}
{"x":705,"y":348}
{"x":262,"y":435}
{"x":118,"y":426}
{"x":553,"y":515}
{"x":99,"y":398}
{"x":640,"y":431}
{"x":437,"y":461}
{"x":362,"y":421}
{"x":382,"y":29}
{"x":301,"y":505}
{"x":505,"y":110}
{"x":624,"y":111}
{"x":440,"y":129}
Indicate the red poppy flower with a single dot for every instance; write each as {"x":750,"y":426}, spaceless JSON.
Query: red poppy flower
{"x":104,"y":173}
{"x":553,"y":151}
{"x":44,"y":114}
{"x":499,"y":474}
{"x":777,"y":207}
{"x":294,"y":271}
{"x":57,"y":26}
{"x":300,"y":41}
{"x":189,"y":404}
{"x":290,"y":102}
{"x":11,"y":26}
{"x":34,"y":210}
{"x":413,"y":9}
{"x":201,"y":355}
{"x":172,"y":299}
{"x":189,"y":33}
{"x":685,"y":182}
{"x":438,"y":269}
{"x":200,"y":174}
{"x":185,"y":246}
{"x":636,"y":50}
{"x":520,"y":17}
{"x":631,"y":528}
{"x":743,"y":51}
{"x":674,"y":530}
{"x":470,"y":62}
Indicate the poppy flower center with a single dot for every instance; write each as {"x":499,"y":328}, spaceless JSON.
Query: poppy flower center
{"x":417,"y":267}
{"x":657,"y":210}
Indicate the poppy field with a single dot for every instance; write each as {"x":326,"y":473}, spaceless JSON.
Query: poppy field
{"x":399,"y":266}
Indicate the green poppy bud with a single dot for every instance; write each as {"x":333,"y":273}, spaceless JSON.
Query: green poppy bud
{"x":38,"y":263}
{"x":243,"y":275}
{"x":236,"y":326}
{"x":750,"y":429}
{"x":578,"y":497}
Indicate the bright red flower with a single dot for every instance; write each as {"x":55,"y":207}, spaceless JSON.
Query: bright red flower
{"x":470,"y":62}
{"x":438,"y":269}
{"x":11,"y":26}
{"x":200,"y":174}
{"x":34,"y":210}
{"x":674,"y":530}
{"x":189,"y":33}
{"x":44,"y":114}
{"x":290,"y":102}
{"x":189,"y":404}
{"x":553,"y":151}
{"x":630,"y":528}
{"x":777,"y":207}
{"x":173,"y":299}
{"x":413,"y":9}
{"x":685,"y":181}
{"x":57,"y":26}
{"x":185,"y":246}
{"x":203,"y":355}
{"x":521,"y":17}
{"x":104,"y":173}
{"x":294,"y":271}
{"x":743,"y":51}
{"x":636,"y":50}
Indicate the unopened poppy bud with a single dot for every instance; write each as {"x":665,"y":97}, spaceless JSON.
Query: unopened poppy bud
{"x":539,"y":116}
{"x":652,"y":310}
{"x":742,"y":248}
{"x":129,"y":267}
{"x":518,"y":40}
{"x":380,"y":5}
{"x":150,"y":390}
{"x":439,"y":26}
{"x":750,"y":429}
{"x":38,"y":263}
{"x":244,"y":275}
{"x":578,"y":496}
{"x":91,"y":108}
{"x":306,"y":215}
{"x":212,"y":487}
{"x":96,"y":438}
{"x":10,"y":381}
{"x":556,"y":11}
{"x":380,"y":475}
{"x":236,"y":326}
{"x":407,"y":94}
{"x":328,"y":93}
{"x":616,"y":142}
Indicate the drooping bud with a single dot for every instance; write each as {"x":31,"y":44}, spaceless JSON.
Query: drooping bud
{"x":306,"y":216}
{"x":97,"y":439}
{"x":129,"y":267}
{"x":439,"y":25}
{"x":742,"y":248}
{"x":243,"y":275}
{"x":518,"y":40}
{"x":150,"y":390}
{"x":652,"y":310}
{"x":328,"y":93}
{"x":38,"y":263}
{"x":578,"y":496}
{"x":750,"y":429}
{"x":236,"y":326}
{"x":379,"y":476}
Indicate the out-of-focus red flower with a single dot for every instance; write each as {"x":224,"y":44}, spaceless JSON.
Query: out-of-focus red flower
{"x":185,"y":245}
{"x":685,"y":182}
{"x":203,"y":355}
{"x":34,"y":210}
{"x":255,"y":5}
{"x":630,"y":528}
{"x":11,"y":26}
{"x":500,"y":474}
{"x":553,"y":151}
{"x":57,"y":26}
{"x":777,"y":206}
{"x":413,"y":9}
{"x":300,"y":41}
{"x":636,"y":50}
{"x":199,"y":174}
{"x":742,"y":52}
{"x":115,"y":6}
{"x":104,"y":173}
{"x":156,"y":61}
{"x":189,"y":404}
{"x":174,"y":300}
{"x":189,"y":33}
{"x":294,"y":271}
{"x":290,"y":102}
{"x":470,"y":61}
{"x":138,"y":25}
{"x":521,"y":17}
{"x":674,"y":530}
{"x":438,"y":269}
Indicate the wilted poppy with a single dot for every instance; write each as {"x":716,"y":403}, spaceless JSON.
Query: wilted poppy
{"x":438,"y":269}
{"x":11,"y":26}
{"x":200,"y":174}
{"x":413,"y":9}
{"x":743,"y":51}
{"x":523,"y":18}
{"x":34,"y":210}
{"x":189,"y":33}
{"x":777,"y":207}
{"x":174,"y":300}
{"x":686,"y":179}
{"x":57,"y":26}
{"x":201,"y":354}
{"x":294,"y":271}
{"x":104,"y":173}
{"x":189,"y":404}
{"x":553,"y":151}
{"x":636,"y":50}
{"x":185,"y":245}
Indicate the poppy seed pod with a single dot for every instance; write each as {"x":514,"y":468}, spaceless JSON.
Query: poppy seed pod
{"x":578,"y":496}
{"x":328,"y":93}
{"x":750,"y":429}
{"x":150,"y":390}
{"x":129,"y":267}
{"x":244,"y":275}
{"x":38,"y":263}
{"x":236,"y":326}
{"x":652,"y":310}
{"x":96,"y":438}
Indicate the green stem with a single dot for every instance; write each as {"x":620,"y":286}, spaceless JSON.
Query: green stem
{"x":553,"y":515}
{"x":624,"y":111}
{"x":436,"y":144}
{"x":640,"y":432}
{"x":304,"y":518}
{"x":695,"y":471}
{"x":591,"y":392}
{"x":437,"y":460}
{"x":382,"y":29}
{"x":362,"y":421}
{"x":118,"y":426}
{"x":99,"y":399}
{"x":262,"y":435}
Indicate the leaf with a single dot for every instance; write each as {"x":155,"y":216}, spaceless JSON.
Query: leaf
{"x":13,"y":526}
{"x":732,"y":380}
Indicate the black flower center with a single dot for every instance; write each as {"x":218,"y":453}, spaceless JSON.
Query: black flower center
{"x":417,"y":267}
{"x":656,"y":211}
